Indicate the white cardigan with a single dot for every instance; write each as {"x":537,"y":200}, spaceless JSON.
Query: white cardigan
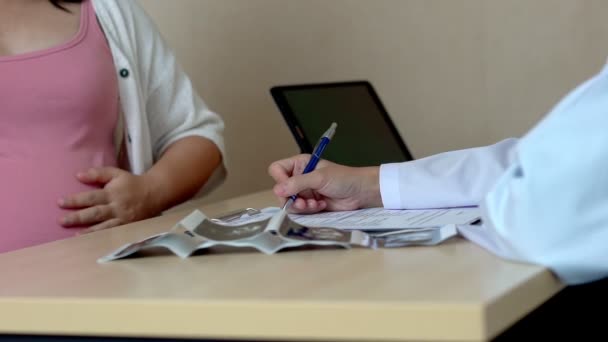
{"x":159,"y":104}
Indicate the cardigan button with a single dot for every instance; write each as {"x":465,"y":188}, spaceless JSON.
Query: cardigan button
{"x":129,"y":138}
{"x":124,"y":73}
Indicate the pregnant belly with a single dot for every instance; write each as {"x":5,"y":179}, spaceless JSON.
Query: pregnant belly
{"x":28,"y":199}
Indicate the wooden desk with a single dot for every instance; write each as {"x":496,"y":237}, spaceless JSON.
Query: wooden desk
{"x":455,"y":291}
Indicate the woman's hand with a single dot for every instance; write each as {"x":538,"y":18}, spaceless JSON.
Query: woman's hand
{"x":125,"y":197}
{"x":122,"y":198}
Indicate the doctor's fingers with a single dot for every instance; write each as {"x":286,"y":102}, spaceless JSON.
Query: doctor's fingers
{"x":301,"y":184}
{"x":282,"y":169}
{"x":308,"y":206}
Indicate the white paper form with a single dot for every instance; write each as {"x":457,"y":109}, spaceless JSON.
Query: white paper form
{"x":385,"y":219}
{"x":376,"y":218}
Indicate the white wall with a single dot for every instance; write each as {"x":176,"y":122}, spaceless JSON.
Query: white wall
{"x":452,"y":73}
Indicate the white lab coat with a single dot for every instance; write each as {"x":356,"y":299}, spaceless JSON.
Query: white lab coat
{"x":544,"y":198}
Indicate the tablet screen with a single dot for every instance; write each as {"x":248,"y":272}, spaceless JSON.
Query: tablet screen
{"x":365,"y":135}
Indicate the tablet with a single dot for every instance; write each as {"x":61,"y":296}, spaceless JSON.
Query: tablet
{"x":365,"y":136}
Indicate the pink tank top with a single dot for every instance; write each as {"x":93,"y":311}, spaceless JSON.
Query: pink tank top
{"x":58,"y":112}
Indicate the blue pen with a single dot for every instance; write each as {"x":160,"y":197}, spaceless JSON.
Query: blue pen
{"x":316,"y":156}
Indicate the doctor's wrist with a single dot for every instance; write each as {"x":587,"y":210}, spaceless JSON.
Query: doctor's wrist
{"x":370,"y":187}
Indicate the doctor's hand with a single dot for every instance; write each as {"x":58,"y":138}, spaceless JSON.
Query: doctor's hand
{"x":122,"y":198}
{"x":330,"y":186}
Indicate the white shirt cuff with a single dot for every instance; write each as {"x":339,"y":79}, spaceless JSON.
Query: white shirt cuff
{"x":389,"y":186}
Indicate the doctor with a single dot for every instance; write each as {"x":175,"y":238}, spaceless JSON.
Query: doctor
{"x":544,"y":197}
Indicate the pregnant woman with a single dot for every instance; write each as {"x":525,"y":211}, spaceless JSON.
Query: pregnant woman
{"x":99,"y":125}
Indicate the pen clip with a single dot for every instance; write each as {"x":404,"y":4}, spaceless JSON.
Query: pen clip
{"x":289,"y":202}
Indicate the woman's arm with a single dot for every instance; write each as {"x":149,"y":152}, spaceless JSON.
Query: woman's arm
{"x":175,"y":142}
{"x":124,"y":197}
{"x":181,"y":171}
